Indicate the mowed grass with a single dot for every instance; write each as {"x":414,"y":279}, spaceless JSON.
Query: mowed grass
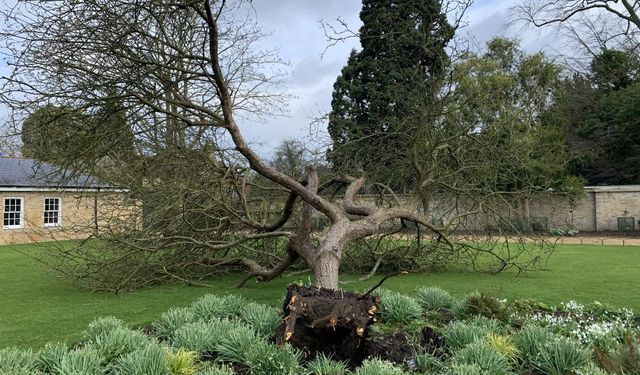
{"x":37,"y":307}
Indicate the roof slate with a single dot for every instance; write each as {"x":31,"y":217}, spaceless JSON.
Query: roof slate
{"x":32,"y":173}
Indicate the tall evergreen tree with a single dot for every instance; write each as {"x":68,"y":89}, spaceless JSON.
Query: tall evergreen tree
{"x":386,"y":87}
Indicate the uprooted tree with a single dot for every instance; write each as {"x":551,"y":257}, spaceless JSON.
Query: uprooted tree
{"x":183,"y":73}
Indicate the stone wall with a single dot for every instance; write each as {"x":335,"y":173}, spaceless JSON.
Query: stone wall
{"x":597,"y":210}
{"x":81,"y":215}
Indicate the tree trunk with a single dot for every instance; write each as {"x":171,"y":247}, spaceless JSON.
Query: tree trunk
{"x":325,"y":270}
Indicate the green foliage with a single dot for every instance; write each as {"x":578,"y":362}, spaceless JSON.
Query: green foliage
{"x":484,"y":356}
{"x":379,"y":96}
{"x":150,"y":359}
{"x":50,"y":357}
{"x":428,"y":363}
{"x":591,"y":369}
{"x":378,"y":367}
{"x":465,"y":369}
{"x":118,"y":342}
{"x":598,"y":112}
{"x":398,"y":308}
{"x":214,"y":307}
{"x":478,"y":303}
{"x":173,"y":319}
{"x":503,"y":345}
{"x":265,"y":359}
{"x":262,"y":318}
{"x":624,"y":358}
{"x":215,"y":370}
{"x":529,"y":340}
{"x":560,"y":357}
{"x":236,"y":344}
{"x":181,"y":362}
{"x":201,"y":337}
{"x":323,"y":365}
{"x":564,"y":231}
{"x":65,"y":135}
{"x":614,"y":69}
{"x":82,"y":361}
{"x":434,"y":298}
{"x":462,"y":333}
{"x":102,"y":326}
{"x":16,"y":361}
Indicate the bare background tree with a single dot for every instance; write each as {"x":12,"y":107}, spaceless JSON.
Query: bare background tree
{"x":586,"y":26}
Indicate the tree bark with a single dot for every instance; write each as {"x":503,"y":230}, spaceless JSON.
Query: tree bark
{"x":326,"y":270}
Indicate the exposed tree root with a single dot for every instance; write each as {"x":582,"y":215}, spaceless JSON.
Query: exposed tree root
{"x":332,"y":322}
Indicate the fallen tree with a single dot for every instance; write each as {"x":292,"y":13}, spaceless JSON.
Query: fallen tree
{"x":181,"y":73}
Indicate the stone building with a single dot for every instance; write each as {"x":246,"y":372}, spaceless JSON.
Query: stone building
{"x":41,"y":203}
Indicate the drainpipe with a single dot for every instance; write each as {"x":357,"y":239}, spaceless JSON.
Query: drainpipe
{"x":95,"y":212}
{"x":595,"y":211}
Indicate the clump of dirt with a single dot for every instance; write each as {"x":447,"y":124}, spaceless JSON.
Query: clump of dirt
{"x":395,"y":347}
{"x":432,"y":342}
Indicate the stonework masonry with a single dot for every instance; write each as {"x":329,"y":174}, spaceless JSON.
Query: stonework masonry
{"x":598,"y":210}
{"x":81,"y":215}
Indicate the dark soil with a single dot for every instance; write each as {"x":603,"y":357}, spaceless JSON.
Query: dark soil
{"x":396,"y":347}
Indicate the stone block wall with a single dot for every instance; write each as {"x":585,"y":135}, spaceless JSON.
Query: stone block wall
{"x":81,"y":215}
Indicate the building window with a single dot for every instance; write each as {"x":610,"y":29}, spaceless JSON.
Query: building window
{"x":13,"y":209}
{"x":51,"y":212}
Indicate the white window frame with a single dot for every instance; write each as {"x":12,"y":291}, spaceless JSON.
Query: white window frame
{"x":19,"y":226}
{"x":44,"y":210}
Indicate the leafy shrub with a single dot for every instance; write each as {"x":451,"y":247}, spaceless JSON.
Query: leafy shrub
{"x":265,"y":359}
{"x":215,"y":370}
{"x":503,"y":345}
{"x":485,"y":324}
{"x":561,"y":356}
{"x":398,"y":308}
{"x":199,"y":337}
{"x":624,"y":358}
{"x":172,"y":320}
{"x":591,"y":369}
{"x":17,"y":361}
{"x":529,"y":340}
{"x":118,"y":342}
{"x":85,"y":360}
{"x":460,"y":334}
{"x":458,"y":369}
{"x":484,"y":356}
{"x":564,"y":231}
{"x":49,"y":357}
{"x":478,"y":303}
{"x":433,"y":298}
{"x":235,"y":344}
{"x":262,"y":318}
{"x":210,"y":306}
{"x":378,"y":367}
{"x":181,"y":362}
{"x":150,"y":359}
{"x":323,"y":365}
{"x":102,"y":326}
{"x":427,"y":363}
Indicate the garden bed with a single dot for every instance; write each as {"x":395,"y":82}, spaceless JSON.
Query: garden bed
{"x":429,"y":332}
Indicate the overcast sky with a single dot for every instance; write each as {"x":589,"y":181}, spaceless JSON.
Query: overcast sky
{"x":295,"y":30}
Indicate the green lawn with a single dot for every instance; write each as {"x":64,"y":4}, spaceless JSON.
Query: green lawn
{"x":37,"y":307}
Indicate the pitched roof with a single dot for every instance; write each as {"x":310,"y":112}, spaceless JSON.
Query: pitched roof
{"x":30,"y":173}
